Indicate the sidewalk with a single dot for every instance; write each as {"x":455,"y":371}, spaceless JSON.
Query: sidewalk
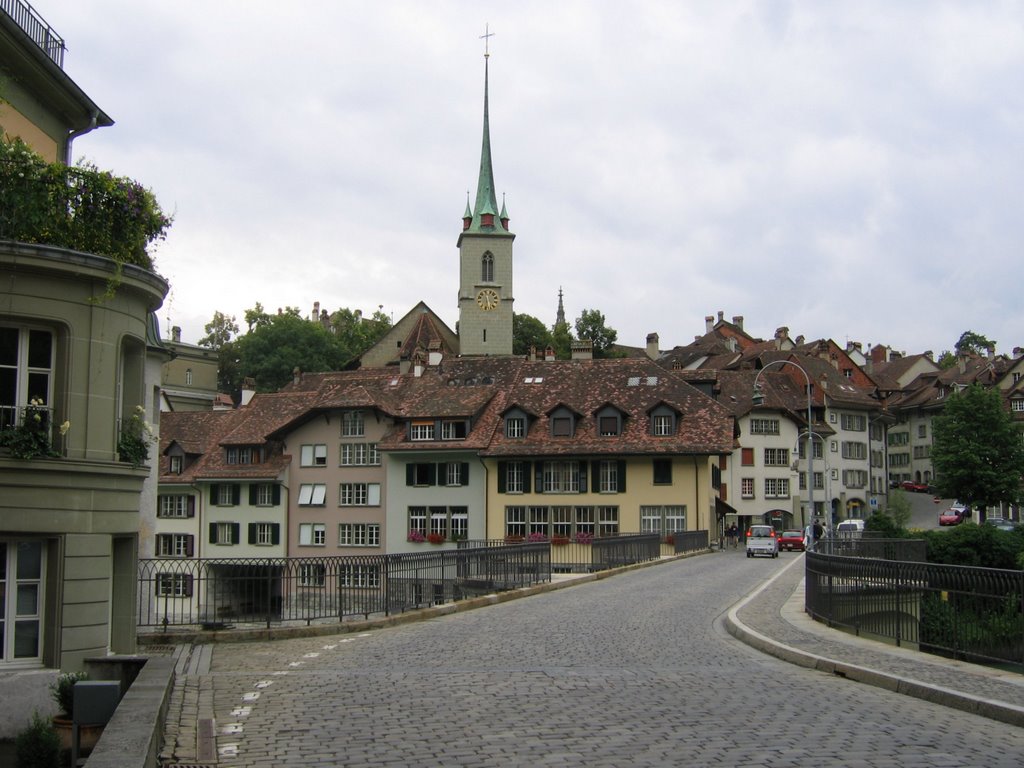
{"x":772,"y":619}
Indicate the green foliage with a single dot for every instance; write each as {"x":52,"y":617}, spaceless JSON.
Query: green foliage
{"x":527,"y":332}
{"x":134,"y":439}
{"x":220,"y":330}
{"x":270,"y":353}
{"x":591,"y":325}
{"x":886,"y":525}
{"x":977,"y":452}
{"x":62,"y":691}
{"x":957,"y":623}
{"x":899,"y":509}
{"x":561,"y":341}
{"x":974,"y":343}
{"x":984,"y":546}
{"x":356,"y":333}
{"x":946,"y":360}
{"x":79,"y":208}
{"x":38,"y":746}
{"x":30,"y":438}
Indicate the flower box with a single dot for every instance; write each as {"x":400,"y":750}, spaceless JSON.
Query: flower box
{"x":559,"y":541}
{"x":435,"y":538}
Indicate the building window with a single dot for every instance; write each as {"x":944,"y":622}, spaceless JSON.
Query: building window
{"x":421,"y":430}
{"x":26,"y":372}
{"x":922,"y":430}
{"x":176,"y":505}
{"x":514,"y":476}
{"x":662,"y":471}
{"x":855,"y":450}
{"x":312,"y":534}
{"x":359,"y":494}
{"x":561,"y":426}
{"x":188,"y":377}
{"x":817,"y":449}
{"x":224,"y":533}
{"x":424,"y":473}
{"x":854,"y":422}
{"x":360,"y":454}
{"x":240,"y":455}
{"x":747,"y":457}
{"x":663,"y":519}
{"x":264,"y":495}
{"x":418,"y":521}
{"x":264,"y":534}
{"x":855,"y":478}
{"x":367,"y":576}
{"x":225,"y":494}
{"x":899,"y":438}
{"x":359,"y":535}
{"x":456,"y":473}
{"x":313,"y":456}
{"x":22,"y":565}
{"x":454,"y":430}
{"x":174,"y":585}
{"x":458,"y":522}
{"x":515,"y":521}
{"x":663,"y":424}
{"x":764,"y":426}
{"x":776,"y":457}
{"x":312,"y":494}
{"x":608,"y":473}
{"x":174,"y":545}
{"x":607,"y":521}
{"x":1017,"y":405}
{"x":515,"y":426}
{"x":609,"y":426}
{"x":487,"y":268}
{"x":776,"y":488}
{"x":352,"y":424}
{"x":747,"y":487}
{"x":561,"y":476}
{"x":312,"y":574}
{"x":174,"y":465}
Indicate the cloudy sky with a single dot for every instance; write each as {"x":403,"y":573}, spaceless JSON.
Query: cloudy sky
{"x":848,"y":170}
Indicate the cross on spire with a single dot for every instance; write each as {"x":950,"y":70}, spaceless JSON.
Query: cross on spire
{"x":487,"y":34}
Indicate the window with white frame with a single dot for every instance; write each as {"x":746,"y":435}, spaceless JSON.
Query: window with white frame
{"x":922,"y":430}
{"x":22,"y":566}
{"x":174,"y":585}
{"x":418,"y":520}
{"x":312,"y":534}
{"x":539,"y":518}
{"x":747,"y":487}
{"x":662,"y":519}
{"x":352,"y":424}
{"x":188,"y":377}
{"x":561,"y":476}
{"x":776,"y":488}
{"x":174,"y":545}
{"x":312,"y":494}
{"x":421,"y":430}
{"x":586,"y":520}
{"x":458,"y":522}
{"x":764,"y":426}
{"x":515,"y":426}
{"x":855,"y":478}
{"x":367,"y":576}
{"x":514,"y":477}
{"x":265,"y":534}
{"x":175,"y":505}
{"x":224,"y":533}
{"x":1017,"y":405}
{"x":607,"y":520}
{"x":899,"y":438}
{"x":265,"y":494}
{"x":359,"y":534}
{"x":776,"y":457}
{"x":313,"y":455}
{"x":26,"y":373}
{"x":312,"y":574}
{"x":515,"y":521}
{"x":456,"y":473}
{"x":439,"y":521}
{"x":359,"y":494}
{"x":854,"y":422}
{"x":853,"y":450}
{"x":360,"y":454}
{"x":454,"y":430}
{"x":227,"y":494}
{"x":608,"y":473}
{"x":662,"y":424}
{"x":175,"y":464}
{"x":817,"y":449}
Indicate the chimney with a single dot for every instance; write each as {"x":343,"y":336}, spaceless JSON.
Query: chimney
{"x":709,"y":323}
{"x":549,"y":355}
{"x":583,"y":349}
{"x":532,"y":356}
{"x":176,"y":333}
{"x":652,"y":346}
{"x":1018,"y":351}
{"x":296,"y":375}
{"x":737,"y":320}
{"x":248,"y":390}
{"x":799,"y":339}
{"x":721,"y":315}
{"x":962,"y":363}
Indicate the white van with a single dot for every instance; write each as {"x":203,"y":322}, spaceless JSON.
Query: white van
{"x":850,"y":528}
{"x":762,"y":540}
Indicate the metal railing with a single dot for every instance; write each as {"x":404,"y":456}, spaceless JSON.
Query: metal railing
{"x":35,"y":26}
{"x":583,"y":554}
{"x":213,"y":593}
{"x":968,"y":613}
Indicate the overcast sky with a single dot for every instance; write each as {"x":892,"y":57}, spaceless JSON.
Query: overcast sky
{"x":849,"y":170}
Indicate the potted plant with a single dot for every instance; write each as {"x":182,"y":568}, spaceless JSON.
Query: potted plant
{"x":435,"y":538}
{"x":30,"y":439}
{"x":583,"y":537}
{"x":416,"y":537}
{"x":133,"y":442}
{"x":513,"y":539}
{"x":559,"y":541}
{"x":537,"y":538}
{"x":63,"y":693}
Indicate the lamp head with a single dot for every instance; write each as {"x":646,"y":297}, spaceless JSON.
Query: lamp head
{"x":758,"y":395}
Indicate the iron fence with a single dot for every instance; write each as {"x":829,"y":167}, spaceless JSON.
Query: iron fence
{"x":214,"y":593}
{"x":968,"y":613}
{"x":585,"y":553}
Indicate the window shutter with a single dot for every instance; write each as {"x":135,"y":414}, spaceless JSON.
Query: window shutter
{"x":236,"y":495}
{"x":431,"y":474}
{"x":595,"y":476}
{"x":213,"y":493}
{"x":502,"y":476}
{"x":275,"y":495}
{"x":583,"y":476}
{"x":538,"y":467}
{"x":252,"y":533}
{"x":464,"y":473}
{"x":410,"y":474}
{"x":236,"y":530}
{"x":526,"y":477}
{"x":621,"y":471}
{"x":188,"y":585}
{"x":191,"y":507}
{"x":252,"y":495}
{"x":190,"y":546}
{"x":213,"y":533}
{"x":275,"y":533}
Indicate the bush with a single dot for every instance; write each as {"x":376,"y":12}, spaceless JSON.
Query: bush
{"x":38,"y":746}
{"x":63,"y":690}
{"x":984,"y":546}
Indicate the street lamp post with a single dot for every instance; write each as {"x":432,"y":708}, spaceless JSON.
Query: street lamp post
{"x":759,"y":400}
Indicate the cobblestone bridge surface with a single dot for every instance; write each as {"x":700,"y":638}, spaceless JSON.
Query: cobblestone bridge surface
{"x":633,"y":670}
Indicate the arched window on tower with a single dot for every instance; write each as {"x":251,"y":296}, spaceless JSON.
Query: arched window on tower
{"x":487,"y":268}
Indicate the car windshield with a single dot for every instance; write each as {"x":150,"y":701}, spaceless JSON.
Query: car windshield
{"x":762,"y":531}
{"x":792,"y":534}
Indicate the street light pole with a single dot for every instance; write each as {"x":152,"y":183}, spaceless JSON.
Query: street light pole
{"x":759,"y":399}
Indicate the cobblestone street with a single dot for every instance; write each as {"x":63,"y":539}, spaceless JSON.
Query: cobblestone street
{"x":631,"y":670}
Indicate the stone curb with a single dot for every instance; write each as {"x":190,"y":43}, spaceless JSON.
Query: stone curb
{"x":994,"y":710}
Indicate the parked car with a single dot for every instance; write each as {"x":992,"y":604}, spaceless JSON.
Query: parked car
{"x":1001,"y":523}
{"x":910,"y":485}
{"x":954,"y":515}
{"x":792,"y":540}
{"x":850,"y":528}
{"x":762,"y":540}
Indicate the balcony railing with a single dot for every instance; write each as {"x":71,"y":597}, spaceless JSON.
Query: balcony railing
{"x":26,"y":17}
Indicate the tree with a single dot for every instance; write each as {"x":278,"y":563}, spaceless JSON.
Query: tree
{"x":219,"y":331}
{"x":256,"y":317}
{"x":356,"y":333}
{"x":899,"y":510}
{"x":976,"y":449}
{"x":561,"y":341}
{"x":527,"y":332}
{"x":974,"y":343}
{"x":271,"y":352}
{"x":591,"y":325}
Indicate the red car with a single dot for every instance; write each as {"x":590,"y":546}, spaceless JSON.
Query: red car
{"x":910,"y":485}
{"x":792,"y":540}
{"x":954,"y":515}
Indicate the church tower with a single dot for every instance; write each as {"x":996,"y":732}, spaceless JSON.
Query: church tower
{"x":485,"y":263}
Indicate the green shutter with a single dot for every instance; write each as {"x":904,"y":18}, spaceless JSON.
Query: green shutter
{"x":275,"y":533}
{"x":538,"y":471}
{"x":502,"y":475}
{"x":275,"y":495}
{"x":464,"y":473}
{"x":622,"y":476}
{"x":236,"y":495}
{"x":410,"y":474}
{"x":526,"y":477}
{"x":252,"y":496}
{"x":431,"y":474}
{"x":213,"y":493}
{"x":213,"y":533}
{"x":252,"y":533}
{"x":236,"y":530}
{"x":583,"y":476}
{"x":595,"y":476}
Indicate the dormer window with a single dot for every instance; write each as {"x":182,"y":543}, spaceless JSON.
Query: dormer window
{"x":175,"y":464}
{"x":241,"y":455}
{"x":515,"y":426}
{"x":421,"y":430}
{"x":352,"y":424}
{"x":609,"y":422}
{"x":563,"y":422}
{"x":454,"y":430}
{"x":663,"y":421}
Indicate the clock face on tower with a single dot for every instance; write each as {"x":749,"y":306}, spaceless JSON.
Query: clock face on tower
{"x":487,"y":299}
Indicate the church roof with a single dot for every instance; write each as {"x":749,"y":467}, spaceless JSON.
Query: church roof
{"x":486,"y":200}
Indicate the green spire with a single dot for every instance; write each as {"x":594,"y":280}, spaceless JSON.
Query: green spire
{"x":486,"y":201}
